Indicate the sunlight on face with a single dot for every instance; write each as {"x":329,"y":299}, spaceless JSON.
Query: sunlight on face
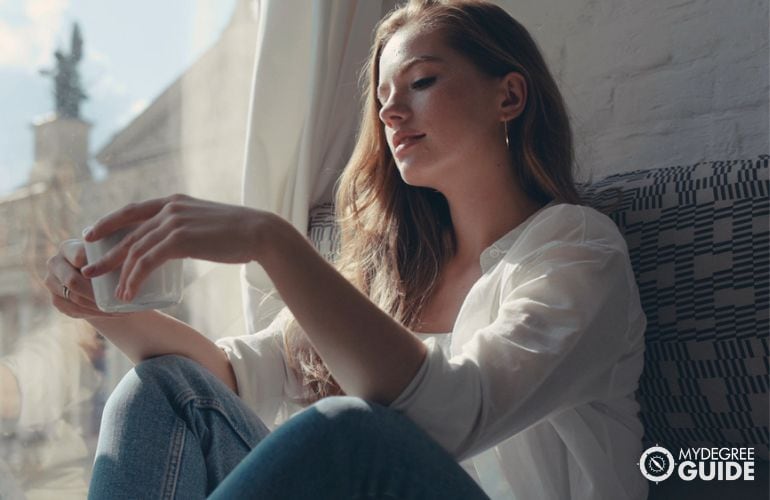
{"x":437,"y":108}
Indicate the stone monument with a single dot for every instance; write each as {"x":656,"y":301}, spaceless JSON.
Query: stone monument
{"x":61,"y":139}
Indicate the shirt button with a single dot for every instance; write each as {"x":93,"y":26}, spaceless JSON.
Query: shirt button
{"x":495,"y":253}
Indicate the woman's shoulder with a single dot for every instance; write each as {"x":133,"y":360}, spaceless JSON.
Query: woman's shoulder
{"x":567,"y":223}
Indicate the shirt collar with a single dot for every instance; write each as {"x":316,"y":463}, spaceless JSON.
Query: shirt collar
{"x":495,"y":252}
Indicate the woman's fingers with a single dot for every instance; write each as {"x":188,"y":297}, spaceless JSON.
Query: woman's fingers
{"x":74,"y":252}
{"x":75,"y":305}
{"x":80,"y":301}
{"x":149,"y":253}
{"x":57,"y":290}
{"x":149,"y":211}
{"x":117,"y":255}
{"x":63,"y":270}
{"x":126,"y":216}
{"x":112,"y":259}
{"x":60,"y":274}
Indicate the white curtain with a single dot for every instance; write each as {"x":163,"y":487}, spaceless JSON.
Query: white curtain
{"x":304,"y":113}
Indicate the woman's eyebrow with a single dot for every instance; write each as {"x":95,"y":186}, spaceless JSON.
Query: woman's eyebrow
{"x":411,"y":62}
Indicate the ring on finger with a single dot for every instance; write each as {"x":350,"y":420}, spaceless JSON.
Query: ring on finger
{"x":65,"y":292}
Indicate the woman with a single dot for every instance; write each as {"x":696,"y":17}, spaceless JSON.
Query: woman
{"x":477,"y":313}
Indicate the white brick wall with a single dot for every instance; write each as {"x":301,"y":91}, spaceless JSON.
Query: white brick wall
{"x":650,"y":84}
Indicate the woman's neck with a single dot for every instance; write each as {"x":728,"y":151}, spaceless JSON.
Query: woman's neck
{"x":482,"y":217}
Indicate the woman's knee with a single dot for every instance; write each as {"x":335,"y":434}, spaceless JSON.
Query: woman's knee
{"x":334,"y":427}
{"x":356,"y":420}
{"x":152,"y":377}
{"x":349,"y":411}
{"x":344,"y":407}
{"x":168,"y":363}
{"x":350,"y":415}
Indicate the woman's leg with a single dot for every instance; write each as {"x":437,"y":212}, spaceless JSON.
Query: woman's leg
{"x":345,"y":447}
{"x":170,"y":430}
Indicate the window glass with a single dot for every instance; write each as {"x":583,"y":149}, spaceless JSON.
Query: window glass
{"x":111,"y":102}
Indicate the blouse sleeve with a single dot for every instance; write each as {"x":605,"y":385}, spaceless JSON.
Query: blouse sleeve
{"x":563,"y":325}
{"x":263,"y":377}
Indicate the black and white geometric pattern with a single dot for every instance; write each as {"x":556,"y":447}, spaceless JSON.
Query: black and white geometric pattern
{"x":323,"y":231}
{"x":698,"y":240}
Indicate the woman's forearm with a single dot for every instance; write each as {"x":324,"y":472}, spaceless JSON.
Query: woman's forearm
{"x":370,"y":354}
{"x":148,"y":334}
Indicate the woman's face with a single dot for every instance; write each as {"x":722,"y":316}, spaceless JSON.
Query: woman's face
{"x":439,"y":110}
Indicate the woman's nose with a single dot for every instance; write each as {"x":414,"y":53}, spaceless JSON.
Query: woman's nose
{"x":393,"y":110}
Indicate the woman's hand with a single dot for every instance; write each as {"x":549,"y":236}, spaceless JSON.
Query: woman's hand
{"x":175,"y":227}
{"x":64,"y":270}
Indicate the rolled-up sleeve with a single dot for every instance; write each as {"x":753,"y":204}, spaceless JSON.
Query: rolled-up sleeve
{"x":560,"y":330}
{"x":258,"y":360}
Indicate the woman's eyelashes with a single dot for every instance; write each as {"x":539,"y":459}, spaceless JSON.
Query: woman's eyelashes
{"x":420,"y":84}
{"x":423,"y":83}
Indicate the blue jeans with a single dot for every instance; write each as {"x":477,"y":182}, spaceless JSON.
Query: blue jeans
{"x":173,"y":430}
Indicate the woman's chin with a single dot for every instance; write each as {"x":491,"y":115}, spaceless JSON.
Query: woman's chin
{"x":413,"y":175}
{"x":415,"y":181}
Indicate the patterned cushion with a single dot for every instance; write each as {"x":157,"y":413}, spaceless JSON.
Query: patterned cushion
{"x":323,"y":230}
{"x":698,"y":241}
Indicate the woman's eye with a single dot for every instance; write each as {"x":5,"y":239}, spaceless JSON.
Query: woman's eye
{"x":417,"y":85}
{"x":423,"y":82}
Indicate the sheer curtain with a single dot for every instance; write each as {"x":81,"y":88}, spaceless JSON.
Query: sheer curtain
{"x":304,"y":113}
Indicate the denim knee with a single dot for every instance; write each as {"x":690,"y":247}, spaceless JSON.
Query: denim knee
{"x":162,"y":366}
{"x":156,"y":370}
{"x":344,"y":407}
{"x":349,"y":415}
{"x":151,"y":377}
{"x":348,"y":412}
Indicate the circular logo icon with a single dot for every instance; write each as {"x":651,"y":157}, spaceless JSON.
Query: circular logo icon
{"x":656,"y":464}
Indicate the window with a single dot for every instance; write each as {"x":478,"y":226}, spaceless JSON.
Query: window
{"x":166,"y":91}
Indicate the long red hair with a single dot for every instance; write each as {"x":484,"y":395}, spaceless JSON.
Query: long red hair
{"x":395,"y":237}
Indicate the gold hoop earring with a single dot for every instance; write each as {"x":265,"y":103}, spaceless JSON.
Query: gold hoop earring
{"x":507,"y":145}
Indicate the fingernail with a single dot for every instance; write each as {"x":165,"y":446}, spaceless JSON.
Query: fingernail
{"x":87,"y":271}
{"x":88,"y":233}
{"x":119,"y":293}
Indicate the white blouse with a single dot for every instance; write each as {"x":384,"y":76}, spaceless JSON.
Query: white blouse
{"x":538,"y":374}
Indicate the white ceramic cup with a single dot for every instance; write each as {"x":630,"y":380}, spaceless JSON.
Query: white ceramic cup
{"x":162,"y":288}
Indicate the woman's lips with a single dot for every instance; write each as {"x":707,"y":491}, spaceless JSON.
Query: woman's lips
{"x":406,"y":143}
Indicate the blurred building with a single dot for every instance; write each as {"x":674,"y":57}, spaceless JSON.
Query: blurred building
{"x":189,"y":139}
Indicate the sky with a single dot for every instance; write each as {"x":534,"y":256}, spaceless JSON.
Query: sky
{"x":132,"y":52}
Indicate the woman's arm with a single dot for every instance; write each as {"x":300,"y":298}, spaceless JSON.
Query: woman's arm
{"x":139,"y":335}
{"x":149,"y":334}
{"x":370,"y":354}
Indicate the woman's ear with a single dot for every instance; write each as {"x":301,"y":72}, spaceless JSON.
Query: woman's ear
{"x":514,"y":91}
